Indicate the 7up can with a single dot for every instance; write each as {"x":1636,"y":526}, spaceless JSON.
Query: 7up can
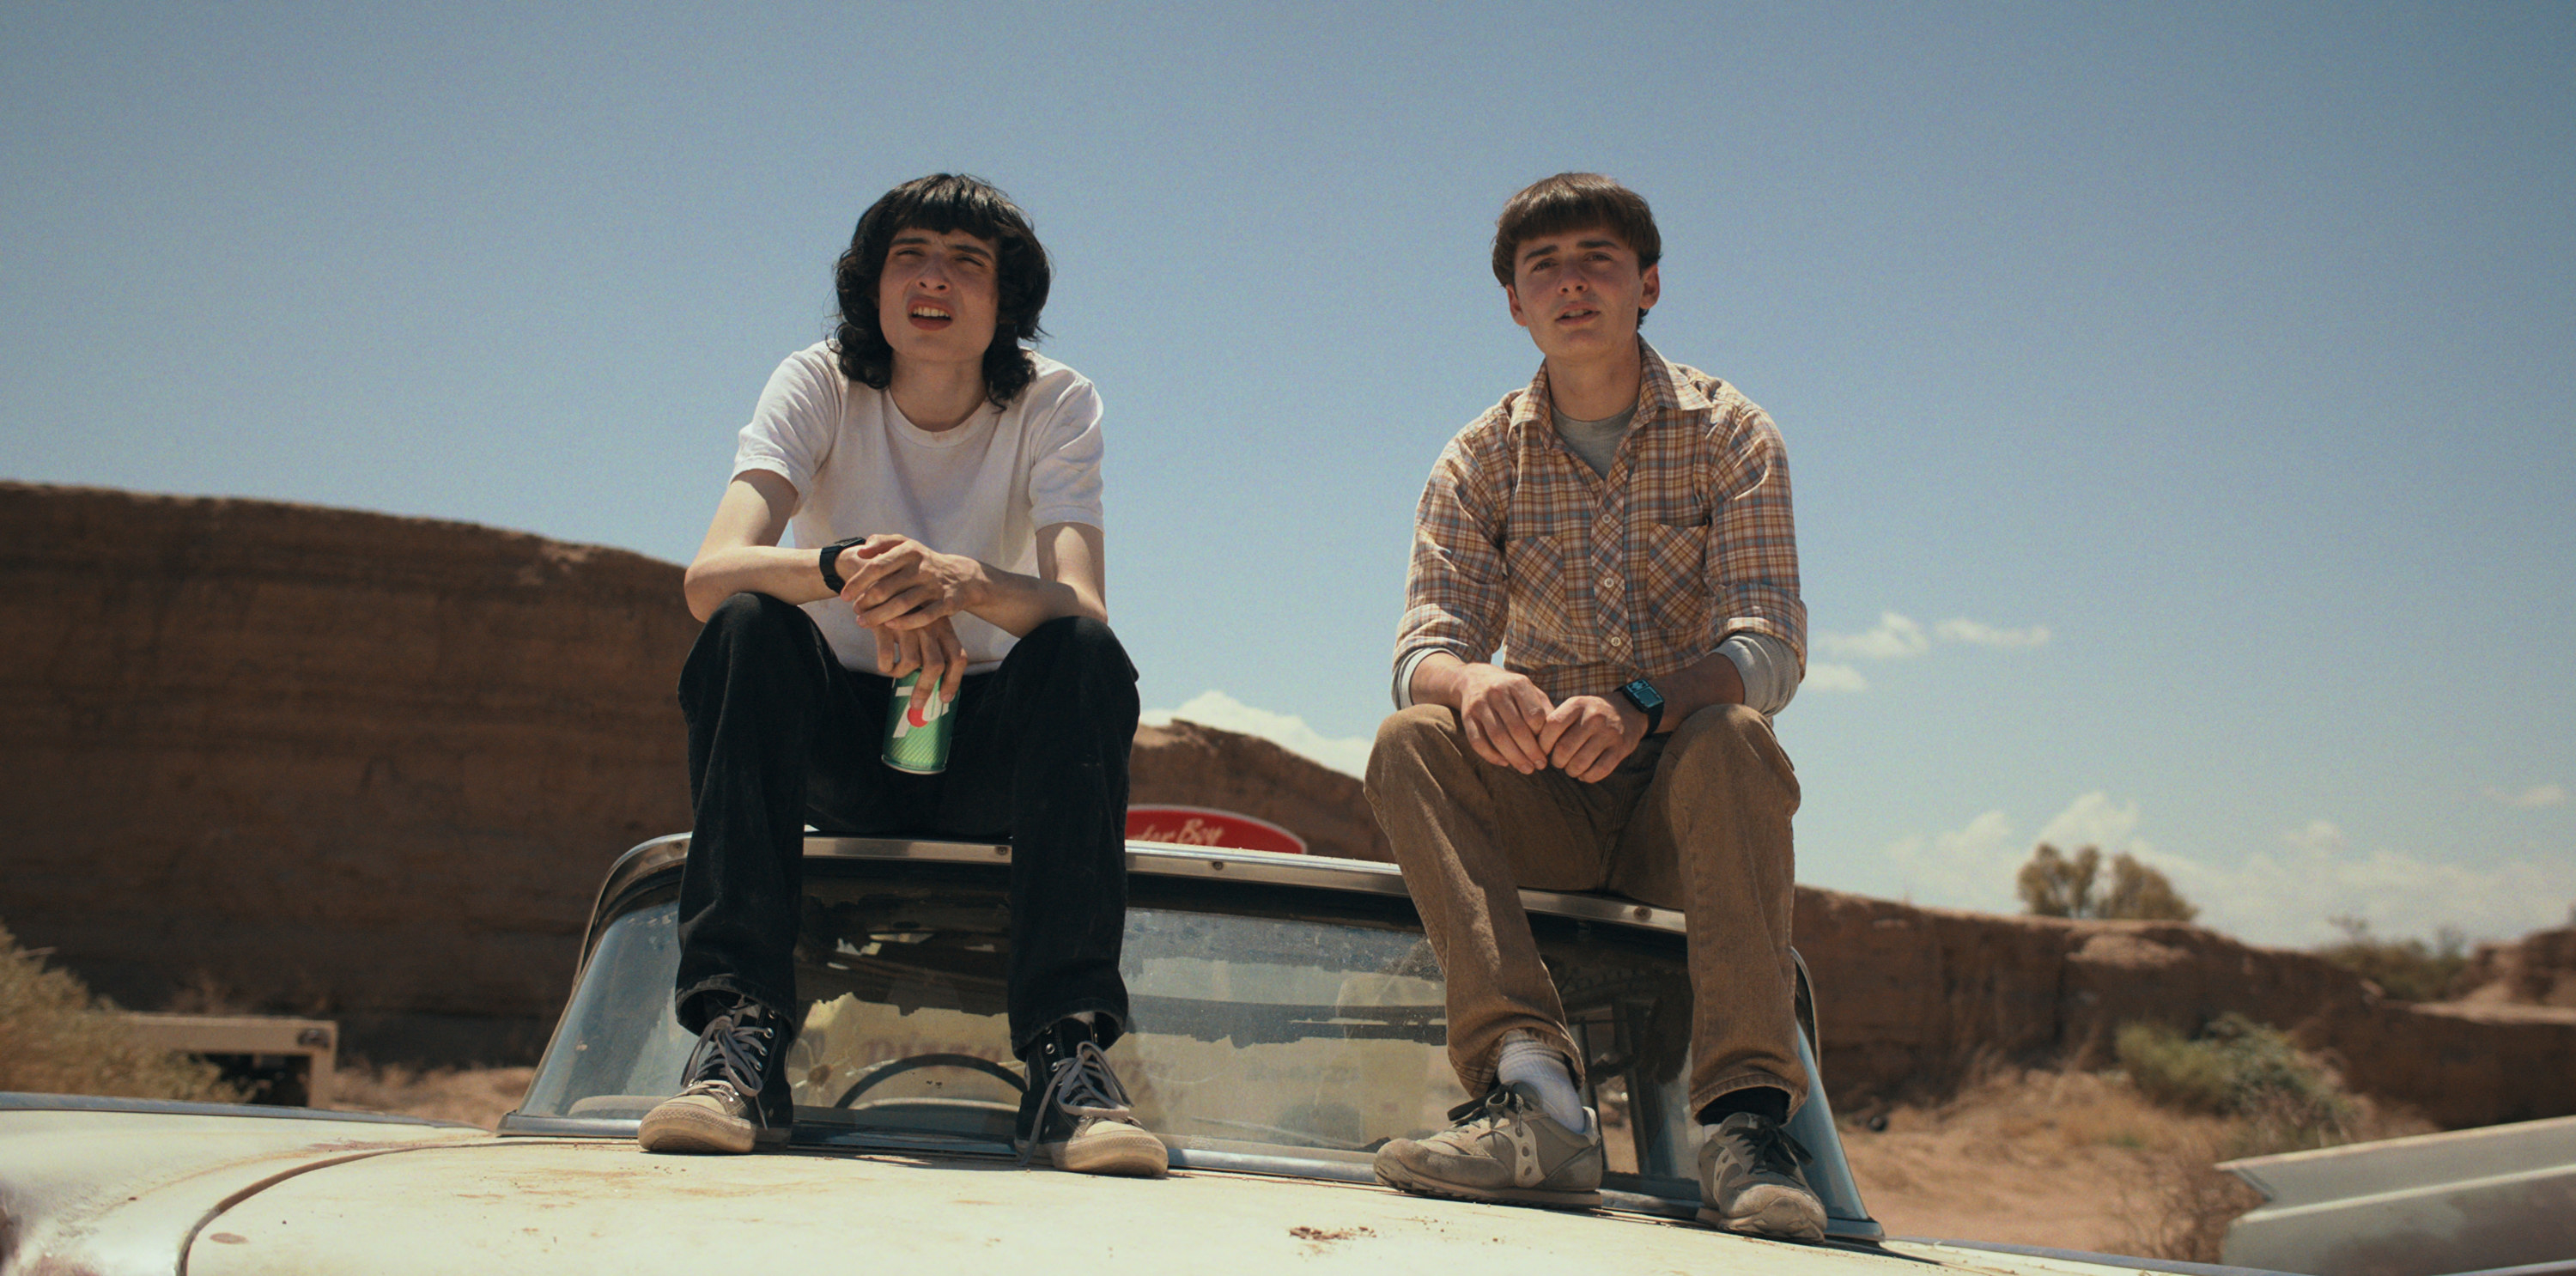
{"x":916,"y":740}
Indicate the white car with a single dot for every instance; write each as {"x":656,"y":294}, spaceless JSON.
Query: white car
{"x":1288,"y":1022}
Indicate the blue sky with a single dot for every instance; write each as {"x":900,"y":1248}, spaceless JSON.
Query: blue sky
{"x":2173,"y":393}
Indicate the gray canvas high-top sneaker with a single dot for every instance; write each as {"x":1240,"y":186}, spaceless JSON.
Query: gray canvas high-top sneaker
{"x":1749,"y":1181}
{"x":737,"y":1094}
{"x":1077,"y":1115}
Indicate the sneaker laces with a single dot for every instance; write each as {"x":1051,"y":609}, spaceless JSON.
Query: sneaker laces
{"x":1499,"y":1103}
{"x":732,"y":1055}
{"x":1083,"y":1085}
{"x":1773,"y":1148}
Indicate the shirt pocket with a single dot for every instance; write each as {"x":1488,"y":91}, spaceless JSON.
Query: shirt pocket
{"x":1551,"y":621}
{"x":1672,"y":595}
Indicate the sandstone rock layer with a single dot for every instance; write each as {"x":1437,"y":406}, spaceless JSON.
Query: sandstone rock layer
{"x":1192,"y":765}
{"x":2538,"y":969}
{"x":1918,"y":999}
{"x":327,"y":760}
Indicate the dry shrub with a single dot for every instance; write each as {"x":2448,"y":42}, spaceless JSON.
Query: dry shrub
{"x":2183,"y":1204}
{"x":63,"y":1041}
{"x":2018,"y":1155}
{"x":2053,"y":884}
{"x":2271,"y":1098}
{"x":476,"y":1096}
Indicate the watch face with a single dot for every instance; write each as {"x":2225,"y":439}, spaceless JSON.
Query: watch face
{"x":1642,"y":694}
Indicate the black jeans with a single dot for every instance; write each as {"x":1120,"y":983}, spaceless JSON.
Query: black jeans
{"x":781,"y":735}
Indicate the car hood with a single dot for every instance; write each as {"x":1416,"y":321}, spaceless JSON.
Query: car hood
{"x":111,"y":1192}
{"x":531,"y":1205}
{"x":133,"y":1193}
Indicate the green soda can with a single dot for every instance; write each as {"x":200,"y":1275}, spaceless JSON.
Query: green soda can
{"x":917,"y":740}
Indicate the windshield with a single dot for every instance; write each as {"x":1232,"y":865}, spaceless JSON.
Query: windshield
{"x":1271,"y":1022}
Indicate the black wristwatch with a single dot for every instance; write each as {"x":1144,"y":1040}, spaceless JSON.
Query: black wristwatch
{"x":1649,"y":702}
{"x":832,"y":559}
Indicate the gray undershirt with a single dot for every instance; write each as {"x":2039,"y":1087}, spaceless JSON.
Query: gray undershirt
{"x":1767,"y":666}
{"x":1594,"y":442}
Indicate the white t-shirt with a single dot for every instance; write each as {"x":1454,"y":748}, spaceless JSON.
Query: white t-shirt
{"x":981,"y":489}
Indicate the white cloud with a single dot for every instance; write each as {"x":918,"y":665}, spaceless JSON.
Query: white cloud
{"x":1900,"y":637}
{"x":2533,"y":798}
{"x":1348,"y":754}
{"x":1825,"y":675}
{"x":1895,"y":638}
{"x":2095,"y":820}
{"x":2316,"y":837}
{"x":1967,"y":867}
{"x":2282,"y":893}
{"x":2285,"y":894}
{"x":1980,"y":634}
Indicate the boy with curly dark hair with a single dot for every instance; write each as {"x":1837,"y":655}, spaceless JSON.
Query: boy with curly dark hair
{"x":942,"y":483}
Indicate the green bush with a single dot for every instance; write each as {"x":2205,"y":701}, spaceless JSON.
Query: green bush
{"x":62,"y":1041}
{"x":2406,"y":969}
{"x":2238,"y":1068}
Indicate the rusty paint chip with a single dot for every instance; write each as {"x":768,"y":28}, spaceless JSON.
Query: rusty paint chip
{"x":1336,"y":1234}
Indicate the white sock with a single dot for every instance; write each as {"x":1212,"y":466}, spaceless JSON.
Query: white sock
{"x":1527,"y":1062}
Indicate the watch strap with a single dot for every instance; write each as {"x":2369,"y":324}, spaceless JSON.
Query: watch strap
{"x":1650,"y":704}
{"x":831,"y":560}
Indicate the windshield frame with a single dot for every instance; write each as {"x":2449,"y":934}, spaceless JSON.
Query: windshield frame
{"x":649,"y":873}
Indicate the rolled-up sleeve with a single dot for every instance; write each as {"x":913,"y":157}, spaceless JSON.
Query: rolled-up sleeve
{"x":1753,"y":540}
{"x":1454,"y":592}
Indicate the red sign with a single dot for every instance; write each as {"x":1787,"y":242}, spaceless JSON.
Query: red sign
{"x":1202,"y":826}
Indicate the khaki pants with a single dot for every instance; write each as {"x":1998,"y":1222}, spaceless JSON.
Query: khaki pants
{"x":1696,"y":821}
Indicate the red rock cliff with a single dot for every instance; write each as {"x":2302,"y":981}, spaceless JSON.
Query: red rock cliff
{"x":327,"y":759}
{"x":375,"y":766}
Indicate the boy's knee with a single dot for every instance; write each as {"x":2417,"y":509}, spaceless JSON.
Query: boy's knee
{"x":747,"y":630}
{"x":1733,"y":723}
{"x":1080,"y":642}
{"x":1404,"y":741}
{"x":1729,"y":738}
{"x":751,"y":615}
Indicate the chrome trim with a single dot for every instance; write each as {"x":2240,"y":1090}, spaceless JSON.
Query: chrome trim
{"x":2174,"y":1265}
{"x":21,"y":1101}
{"x":1684,"y":1206}
{"x":1674,"y":1207}
{"x":514,"y":1123}
{"x":1161,"y":859}
{"x":1295,"y":1167}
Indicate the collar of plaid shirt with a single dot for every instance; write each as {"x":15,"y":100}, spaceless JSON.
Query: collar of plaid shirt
{"x":1583,"y":582}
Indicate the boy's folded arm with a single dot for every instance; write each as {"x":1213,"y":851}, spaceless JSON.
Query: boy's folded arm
{"x":741,"y":553}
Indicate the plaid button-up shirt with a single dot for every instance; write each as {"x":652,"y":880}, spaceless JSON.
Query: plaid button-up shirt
{"x":1523,"y":556}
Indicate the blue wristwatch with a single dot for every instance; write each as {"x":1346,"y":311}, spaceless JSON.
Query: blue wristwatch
{"x":1649,"y":702}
